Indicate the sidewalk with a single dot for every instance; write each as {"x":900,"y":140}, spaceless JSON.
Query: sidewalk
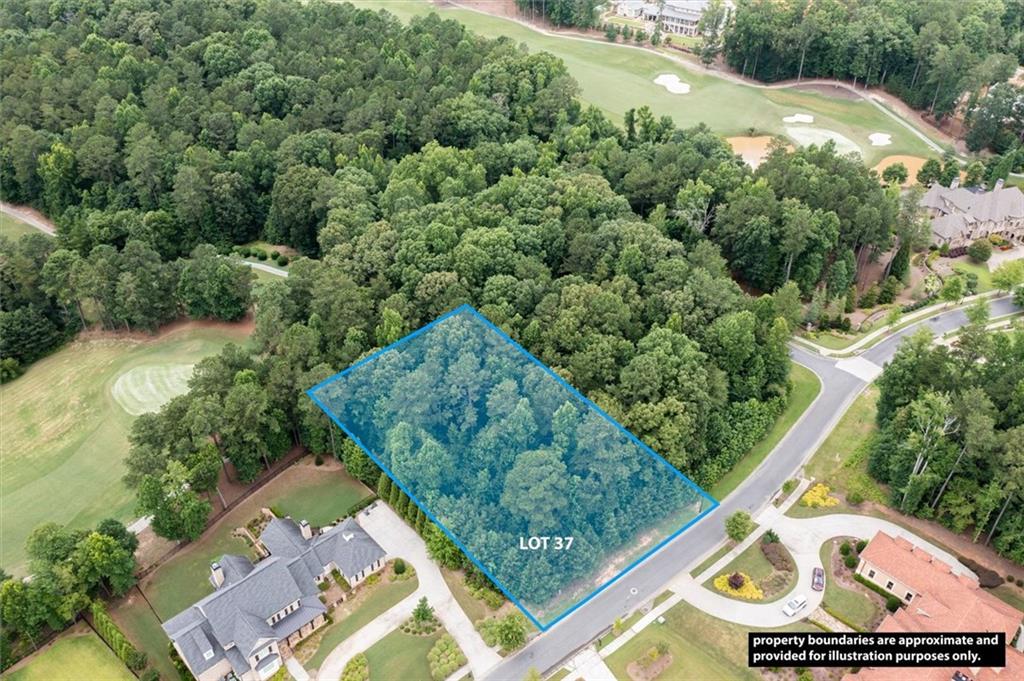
{"x":917,"y":315}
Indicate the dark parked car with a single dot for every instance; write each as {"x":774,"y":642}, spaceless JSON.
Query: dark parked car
{"x":818,"y":579}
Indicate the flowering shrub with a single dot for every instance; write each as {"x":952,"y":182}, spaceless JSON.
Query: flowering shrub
{"x":748,"y":590}
{"x":818,"y":497}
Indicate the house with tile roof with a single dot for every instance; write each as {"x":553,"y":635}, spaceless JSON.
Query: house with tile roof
{"x":258,"y":611}
{"x":960,"y":215}
{"x":937,"y":598}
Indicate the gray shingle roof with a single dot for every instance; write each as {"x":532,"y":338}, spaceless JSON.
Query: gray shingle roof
{"x":346,"y":545}
{"x":961,"y":207}
{"x":232,"y":621}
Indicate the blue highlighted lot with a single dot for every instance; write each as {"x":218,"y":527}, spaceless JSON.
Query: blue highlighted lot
{"x":545,"y":493}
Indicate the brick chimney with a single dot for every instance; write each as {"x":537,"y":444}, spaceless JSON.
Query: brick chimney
{"x":216,"y":574}
{"x":307,"y":531}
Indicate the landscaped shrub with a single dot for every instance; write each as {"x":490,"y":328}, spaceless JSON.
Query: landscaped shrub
{"x":399,"y":566}
{"x":445,"y":658}
{"x":845,"y":548}
{"x":244,"y":251}
{"x":777,"y":555}
{"x":989,"y":579}
{"x":282,"y":260}
{"x":791,"y":484}
{"x":108,"y":630}
{"x":818,"y":497}
{"x":861,"y":544}
{"x":739,"y":525}
{"x":770,"y":537}
{"x":361,"y":504}
{"x":851,"y":561}
{"x":319,"y":460}
{"x":746,"y":589}
{"x":892,"y":603}
{"x":150,"y":675}
{"x":259,"y":253}
{"x":274,"y":254}
{"x":855,"y":498}
{"x":980,"y":250}
{"x":324,"y":585}
{"x":357,"y":669}
{"x":179,"y":665}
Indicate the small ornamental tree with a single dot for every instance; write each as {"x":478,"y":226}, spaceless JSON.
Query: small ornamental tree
{"x":738,"y":525}
{"x":422,"y":612}
{"x":736,"y":580}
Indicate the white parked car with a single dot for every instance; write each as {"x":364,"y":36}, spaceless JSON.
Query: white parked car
{"x":794,"y":605}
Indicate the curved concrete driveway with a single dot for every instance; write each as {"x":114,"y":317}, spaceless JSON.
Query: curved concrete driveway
{"x":398,"y":539}
{"x":803,"y":537}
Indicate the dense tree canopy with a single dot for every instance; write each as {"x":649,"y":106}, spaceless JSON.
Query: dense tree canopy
{"x":953,"y":430}
{"x":928,"y":53}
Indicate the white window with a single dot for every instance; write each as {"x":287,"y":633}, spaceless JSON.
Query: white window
{"x":888,"y":585}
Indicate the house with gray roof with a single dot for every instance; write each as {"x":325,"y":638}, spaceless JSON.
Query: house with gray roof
{"x":259,"y":611}
{"x":960,"y":214}
{"x":681,"y":17}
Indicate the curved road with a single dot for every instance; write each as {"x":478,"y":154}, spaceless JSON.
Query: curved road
{"x":838,"y":390}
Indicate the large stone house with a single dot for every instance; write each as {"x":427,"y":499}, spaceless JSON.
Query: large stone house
{"x":937,"y":598}
{"x":960,"y":215}
{"x":680,"y":17}
{"x":258,"y":612}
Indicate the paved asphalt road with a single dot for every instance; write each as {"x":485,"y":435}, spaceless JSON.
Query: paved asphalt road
{"x":650,"y":578}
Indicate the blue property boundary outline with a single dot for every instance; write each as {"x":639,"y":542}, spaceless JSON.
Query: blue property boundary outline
{"x":565,"y":384}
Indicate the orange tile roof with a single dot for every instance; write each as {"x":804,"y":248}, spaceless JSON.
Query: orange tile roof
{"x":946,"y":602}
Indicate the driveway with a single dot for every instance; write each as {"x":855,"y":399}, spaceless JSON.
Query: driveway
{"x":399,"y":540}
{"x":803,"y":537}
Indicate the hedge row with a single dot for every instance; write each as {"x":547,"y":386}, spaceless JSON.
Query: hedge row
{"x":107,"y":629}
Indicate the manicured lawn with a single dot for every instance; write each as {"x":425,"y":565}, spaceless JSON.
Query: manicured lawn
{"x":966,"y":265}
{"x":142,"y":627}
{"x":702,"y":647}
{"x":318,"y":493}
{"x":854,"y":607}
{"x":841,"y":461}
{"x":806,"y":387}
{"x":74,"y":657}
{"x":626,"y":624}
{"x":474,"y":608}
{"x":615,"y":78}
{"x":1010,"y":594}
{"x":753,"y":564}
{"x":384,"y":596}
{"x":65,"y":436}
{"x":401,"y":656}
{"x":13,"y":228}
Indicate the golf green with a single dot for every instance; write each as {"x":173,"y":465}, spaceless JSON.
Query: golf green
{"x":616,"y":77}
{"x":65,"y":432}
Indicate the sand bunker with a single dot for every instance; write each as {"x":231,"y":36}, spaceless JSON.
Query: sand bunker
{"x":880,"y":139}
{"x":148,"y":387}
{"x":798,"y":118}
{"x":671,"y":82}
{"x":913,"y":164}
{"x":808,"y":136}
{"x":752,"y":150}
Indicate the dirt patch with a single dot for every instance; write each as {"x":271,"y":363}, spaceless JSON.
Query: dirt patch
{"x":499,"y":8}
{"x":833,"y":91}
{"x":642,"y":670}
{"x":243,"y":327}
